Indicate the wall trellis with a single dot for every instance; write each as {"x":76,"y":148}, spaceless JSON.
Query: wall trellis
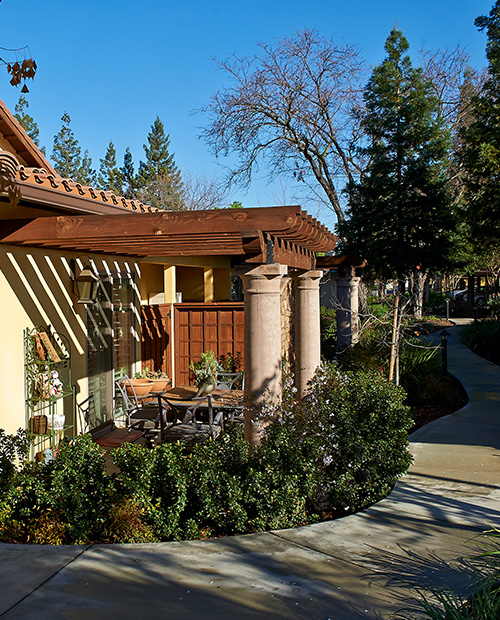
{"x":49,"y":396}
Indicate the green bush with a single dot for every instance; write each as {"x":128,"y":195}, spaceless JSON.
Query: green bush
{"x":80,"y":488}
{"x":339,"y":450}
{"x":328,"y":327}
{"x":357,"y":425}
{"x":24,"y":503}
{"x":417,"y":365}
{"x":12,"y":447}
{"x":217,"y":473}
{"x":483,"y":337}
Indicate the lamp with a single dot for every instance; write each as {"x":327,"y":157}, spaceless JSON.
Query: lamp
{"x":85,"y":282}
{"x":444,"y":349}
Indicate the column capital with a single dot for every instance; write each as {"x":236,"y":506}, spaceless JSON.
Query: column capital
{"x":273,"y":269}
{"x":313,"y":274}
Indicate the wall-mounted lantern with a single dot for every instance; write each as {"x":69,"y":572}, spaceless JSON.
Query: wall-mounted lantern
{"x":85,"y":282}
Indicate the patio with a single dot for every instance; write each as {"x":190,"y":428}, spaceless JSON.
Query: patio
{"x":186,"y":418}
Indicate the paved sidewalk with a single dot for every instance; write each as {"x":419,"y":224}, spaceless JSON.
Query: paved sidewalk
{"x":361,"y":566}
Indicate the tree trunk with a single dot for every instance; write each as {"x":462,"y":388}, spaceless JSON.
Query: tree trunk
{"x":419,"y":277}
{"x":394,"y":338}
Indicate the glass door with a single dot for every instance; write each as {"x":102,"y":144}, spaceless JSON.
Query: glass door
{"x":100,"y":356}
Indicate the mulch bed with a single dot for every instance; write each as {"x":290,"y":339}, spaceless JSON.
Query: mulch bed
{"x":429,"y":326}
{"x":428,"y":413}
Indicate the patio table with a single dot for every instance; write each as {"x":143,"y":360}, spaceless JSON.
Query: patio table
{"x":223,"y":401}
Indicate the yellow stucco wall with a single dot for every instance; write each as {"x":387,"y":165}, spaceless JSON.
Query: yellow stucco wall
{"x":36,"y":290}
{"x":191,"y":283}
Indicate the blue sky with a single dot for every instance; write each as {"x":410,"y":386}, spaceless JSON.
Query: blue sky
{"x":113,"y":66}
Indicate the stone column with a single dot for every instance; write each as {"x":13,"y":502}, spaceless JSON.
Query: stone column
{"x":347,"y":311}
{"x":307,"y":328}
{"x":262,"y":294}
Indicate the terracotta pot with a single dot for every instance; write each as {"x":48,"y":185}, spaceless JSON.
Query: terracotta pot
{"x":141,"y":387}
{"x":160,"y":384}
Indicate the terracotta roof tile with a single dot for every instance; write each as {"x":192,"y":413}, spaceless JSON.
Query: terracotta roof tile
{"x":40,"y":176}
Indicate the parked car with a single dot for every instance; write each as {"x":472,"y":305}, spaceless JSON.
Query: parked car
{"x":479,"y":298}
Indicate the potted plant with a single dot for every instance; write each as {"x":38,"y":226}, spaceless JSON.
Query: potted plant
{"x":159,"y":378}
{"x":204,"y":372}
{"x":141,"y":384}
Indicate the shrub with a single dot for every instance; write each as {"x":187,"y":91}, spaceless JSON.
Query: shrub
{"x":282,"y":480}
{"x":216,"y":475}
{"x":169,"y":481}
{"x":80,"y":488}
{"x":339,"y":450}
{"x":357,"y":425}
{"x":12,"y":447}
{"x":24,"y":503}
{"x":127,"y":523}
{"x":483,"y":337}
{"x":417,"y":365}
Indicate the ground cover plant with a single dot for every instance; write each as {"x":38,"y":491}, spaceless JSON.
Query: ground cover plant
{"x":481,"y":602}
{"x":483,"y":338}
{"x":339,"y":450}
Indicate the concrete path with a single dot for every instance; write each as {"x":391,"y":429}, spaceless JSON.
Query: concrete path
{"x":361,"y":566}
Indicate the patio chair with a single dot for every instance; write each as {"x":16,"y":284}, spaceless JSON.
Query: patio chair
{"x":144,"y":414}
{"x":86,"y":411}
{"x":227,"y":380}
{"x":186,"y":410}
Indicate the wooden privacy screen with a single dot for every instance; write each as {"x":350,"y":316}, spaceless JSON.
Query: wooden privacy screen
{"x":156,"y":338}
{"x":199,"y":327}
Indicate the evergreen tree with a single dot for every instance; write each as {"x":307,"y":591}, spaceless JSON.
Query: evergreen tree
{"x":401,"y":218}
{"x":66,"y":154}
{"x":481,"y":153}
{"x":127,"y":176}
{"x":27,"y":122}
{"x":86,"y":174}
{"x":110,"y":177}
{"x":159,"y":171}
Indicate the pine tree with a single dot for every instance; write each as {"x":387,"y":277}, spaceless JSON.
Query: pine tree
{"x":27,"y":122}
{"x":127,"y":176}
{"x":66,"y":154}
{"x":481,"y":153}
{"x":110,"y":177}
{"x":86,"y":175}
{"x":401,"y":218}
{"x":159,"y":172}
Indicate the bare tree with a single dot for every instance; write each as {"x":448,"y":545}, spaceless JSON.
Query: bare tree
{"x":295,"y":109}
{"x":164,"y":192}
{"x":200,"y":192}
{"x":455,"y":83}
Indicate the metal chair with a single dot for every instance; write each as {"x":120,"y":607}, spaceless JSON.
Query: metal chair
{"x":149,"y":418}
{"x":186,"y":410}
{"x":86,"y":410}
{"x":227,"y":380}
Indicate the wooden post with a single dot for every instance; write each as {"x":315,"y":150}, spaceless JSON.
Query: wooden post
{"x":392,"y":360}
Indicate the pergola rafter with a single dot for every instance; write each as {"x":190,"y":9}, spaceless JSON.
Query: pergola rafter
{"x":274,"y":234}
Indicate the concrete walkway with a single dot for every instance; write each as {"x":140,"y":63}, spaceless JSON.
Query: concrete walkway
{"x":362,"y":566}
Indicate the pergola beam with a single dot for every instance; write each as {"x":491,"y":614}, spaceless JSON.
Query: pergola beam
{"x":275,"y":234}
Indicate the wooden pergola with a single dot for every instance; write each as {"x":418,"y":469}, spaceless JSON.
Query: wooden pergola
{"x":285,"y":235}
